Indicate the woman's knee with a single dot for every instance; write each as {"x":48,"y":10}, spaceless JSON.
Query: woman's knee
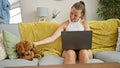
{"x":69,"y":54}
{"x":86,"y":53}
{"x":83,"y":52}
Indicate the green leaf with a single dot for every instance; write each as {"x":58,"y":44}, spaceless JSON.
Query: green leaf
{"x":108,"y":9}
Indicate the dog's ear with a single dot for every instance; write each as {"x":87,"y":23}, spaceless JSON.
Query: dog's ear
{"x":20,"y":48}
{"x":17,"y":46}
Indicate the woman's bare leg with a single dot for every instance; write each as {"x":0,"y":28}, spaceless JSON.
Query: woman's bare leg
{"x":69,"y":57}
{"x":90,"y":54}
{"x":84,"y":56}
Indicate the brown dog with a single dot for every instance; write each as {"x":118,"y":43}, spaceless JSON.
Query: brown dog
{"x":26,"y":50}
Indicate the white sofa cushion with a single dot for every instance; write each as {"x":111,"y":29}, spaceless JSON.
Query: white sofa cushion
{"x":51,"y":60}
{"x":56,"y":60}
{"x":18,"y":62}
{"x":96,"y":61}
{"x":108,"y":56}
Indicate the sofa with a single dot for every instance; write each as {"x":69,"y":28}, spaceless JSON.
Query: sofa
{"x":101,"y":33}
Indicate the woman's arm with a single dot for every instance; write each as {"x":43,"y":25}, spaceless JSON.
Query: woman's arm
{"x":53,"y":37}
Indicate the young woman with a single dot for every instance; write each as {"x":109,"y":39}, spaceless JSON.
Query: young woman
{"x":75,"y":23}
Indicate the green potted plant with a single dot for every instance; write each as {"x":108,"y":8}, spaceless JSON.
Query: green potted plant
{"x":109,"y":9}
{"x":54,"y":14}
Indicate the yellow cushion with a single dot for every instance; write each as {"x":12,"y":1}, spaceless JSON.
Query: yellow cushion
{"x":104,"y":35}
{"x":38,"y":31}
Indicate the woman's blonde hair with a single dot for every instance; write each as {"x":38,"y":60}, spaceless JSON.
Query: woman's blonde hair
{"x":80,"y":6}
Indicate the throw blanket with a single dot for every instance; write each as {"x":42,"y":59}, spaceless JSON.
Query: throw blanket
{"x":4,"y":11}
{"x":104,"y":38}
{"x":38,"y":31}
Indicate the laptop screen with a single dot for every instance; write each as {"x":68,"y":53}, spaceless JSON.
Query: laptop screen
{"x":76,"y":39}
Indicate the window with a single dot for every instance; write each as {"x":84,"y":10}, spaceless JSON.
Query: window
{"x":15,"y":15}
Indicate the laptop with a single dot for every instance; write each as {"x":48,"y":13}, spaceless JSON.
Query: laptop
{"x":76,"y":40}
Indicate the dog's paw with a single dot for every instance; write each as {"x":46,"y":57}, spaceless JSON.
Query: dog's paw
{"x":38,"y":56}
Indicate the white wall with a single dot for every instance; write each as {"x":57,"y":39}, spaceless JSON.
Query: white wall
{"x":28,"y":8}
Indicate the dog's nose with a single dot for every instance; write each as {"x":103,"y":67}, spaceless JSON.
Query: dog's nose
{"x":31,"y":59}
{"x":27,"y":53}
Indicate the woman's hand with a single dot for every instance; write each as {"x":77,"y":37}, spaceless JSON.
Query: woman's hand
{"x":35,"y":43}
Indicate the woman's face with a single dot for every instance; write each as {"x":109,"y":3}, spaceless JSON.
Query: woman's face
{"x":75,"y":14}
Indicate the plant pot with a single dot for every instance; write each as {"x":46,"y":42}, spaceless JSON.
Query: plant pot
{"x":53,"y":20}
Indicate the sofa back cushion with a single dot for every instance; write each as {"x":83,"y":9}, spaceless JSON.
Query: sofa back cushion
{"x":0,"y":28}
{"x":13,"y":28}
{"x":38,"y":31}
{"x":104,"y":35}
